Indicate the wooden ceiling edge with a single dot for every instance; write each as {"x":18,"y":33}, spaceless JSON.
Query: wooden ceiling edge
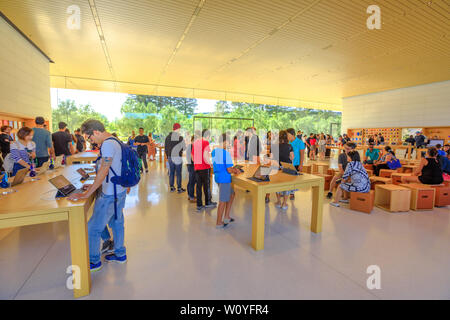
{"x":314,"y":105}
{"x":398,"y":88}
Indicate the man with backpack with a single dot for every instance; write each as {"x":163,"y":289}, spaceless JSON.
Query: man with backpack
{"x":119,"y":170}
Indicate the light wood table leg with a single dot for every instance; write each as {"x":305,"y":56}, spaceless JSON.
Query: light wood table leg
{"x":79,"y":247}
{"x":317,"y":207}
{"x":258,"y":220}
{"x":165,"y":160}
{"x":160,"y":155}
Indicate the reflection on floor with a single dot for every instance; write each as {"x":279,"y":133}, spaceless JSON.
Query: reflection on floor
{"x":176,"y":253}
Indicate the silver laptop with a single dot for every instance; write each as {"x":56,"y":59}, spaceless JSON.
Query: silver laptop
{"x":19,"y":177}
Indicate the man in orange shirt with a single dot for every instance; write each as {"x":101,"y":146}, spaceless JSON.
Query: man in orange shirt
{"x":202,"y":166}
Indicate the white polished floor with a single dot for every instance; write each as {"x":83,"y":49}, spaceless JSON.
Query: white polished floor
{"x":176,"y":253}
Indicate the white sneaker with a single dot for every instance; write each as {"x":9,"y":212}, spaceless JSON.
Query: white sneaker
{"x":334,"y":204}
{"x":344,"y":201}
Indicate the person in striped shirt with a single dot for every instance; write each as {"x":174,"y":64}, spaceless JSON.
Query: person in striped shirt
{"x":22,"y":150}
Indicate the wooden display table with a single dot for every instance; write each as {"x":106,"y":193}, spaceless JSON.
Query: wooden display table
{"x":422,"y":196}
{"x":392,"y":198}
{"x":162,"y":155}
{"x":82,"y":157}
{"x":34,"y":203}
{"x":279,"y":182}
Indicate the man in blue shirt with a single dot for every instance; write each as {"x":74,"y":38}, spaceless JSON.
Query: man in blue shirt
{"x":43,"y":140}
{"x":371,"y":155}
{"x":299,"y":149}
{"x":223,"y":168}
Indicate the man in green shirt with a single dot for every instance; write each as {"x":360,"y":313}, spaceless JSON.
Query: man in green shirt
{"x":371,"y":155}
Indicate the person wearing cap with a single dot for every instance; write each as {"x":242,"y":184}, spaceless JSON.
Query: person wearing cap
{"x":141,"y":141}
{"x":43,"y":140}
{"x":420,"y":140}
{"x":174,"y":146}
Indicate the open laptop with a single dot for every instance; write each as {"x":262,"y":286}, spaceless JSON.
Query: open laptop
{"x":65,"y":188}
{"x":84,"y":175}
{"x":43,"y":169}
{"x":289,"y":168}
{"x":261,"y":174}
{"x":19,"y":177}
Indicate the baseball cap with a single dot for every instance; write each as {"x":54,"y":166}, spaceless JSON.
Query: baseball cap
{"x":39,"y":120}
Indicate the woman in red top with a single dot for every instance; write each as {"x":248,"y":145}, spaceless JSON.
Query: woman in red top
{"x":238,"y":147}
{"x":312,"y":152}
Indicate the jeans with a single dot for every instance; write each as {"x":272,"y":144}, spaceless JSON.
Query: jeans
{"x":104,"y":214}
{"x":378,"y":167}
{"x":203,"y":180}
{"x":143,"y":157}
{"x":175,"y":168}
{"x":41,"y":161}
{"x":105,"y":234}
{"x":192,"y":181}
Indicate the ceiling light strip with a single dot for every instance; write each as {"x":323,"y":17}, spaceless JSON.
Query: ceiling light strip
{"x":183,"y":36}
{"x":101,"y":35}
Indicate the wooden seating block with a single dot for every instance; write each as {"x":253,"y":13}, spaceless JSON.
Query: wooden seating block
{"x":307,"y":168}
{"x":362,"y":202}
{"x":397,"y":177}
{"x":331,"y":172}
{"x":327,"y":178}
{"x":392,"y":198}
{"x":368,"y":166}
{"x":386,"y":173}
{"x":374,"y":180}
{"x":442,"y":195}
{"x":422,"y":196}
{"x":320,"y":168}
{"x":369,"y":172}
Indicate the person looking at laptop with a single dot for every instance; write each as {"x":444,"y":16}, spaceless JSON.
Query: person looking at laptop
{"x":223,"y":168}
{"x":19,"y":150}
{"x":103,"y":214}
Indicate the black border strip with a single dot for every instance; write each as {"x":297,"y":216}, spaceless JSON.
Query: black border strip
{"x":24,"y":35}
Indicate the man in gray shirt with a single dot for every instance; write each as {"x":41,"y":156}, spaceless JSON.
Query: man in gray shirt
{"x":43,"y":140}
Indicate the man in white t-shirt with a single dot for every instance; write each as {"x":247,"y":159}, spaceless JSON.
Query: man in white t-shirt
{"x":111,"y":153}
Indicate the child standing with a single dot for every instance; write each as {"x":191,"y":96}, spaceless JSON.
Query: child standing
{"x":222,"y":165}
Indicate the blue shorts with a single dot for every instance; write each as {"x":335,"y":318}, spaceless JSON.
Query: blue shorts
{"x":225,"y":192}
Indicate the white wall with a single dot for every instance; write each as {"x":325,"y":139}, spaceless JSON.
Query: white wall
{"x":420,"y":106}
{"x":24,"y":76}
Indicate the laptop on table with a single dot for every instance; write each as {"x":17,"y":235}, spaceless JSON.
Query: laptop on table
{"x":289,"y":168}
{"x":261,"y":174}
{"x":65,"y":188}
{"x":84,"y":175}
{"x":19,"y":177}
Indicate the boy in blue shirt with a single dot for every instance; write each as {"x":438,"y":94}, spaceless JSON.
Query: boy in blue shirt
{"x":298,"y":147}
{"x":223,"y":168}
